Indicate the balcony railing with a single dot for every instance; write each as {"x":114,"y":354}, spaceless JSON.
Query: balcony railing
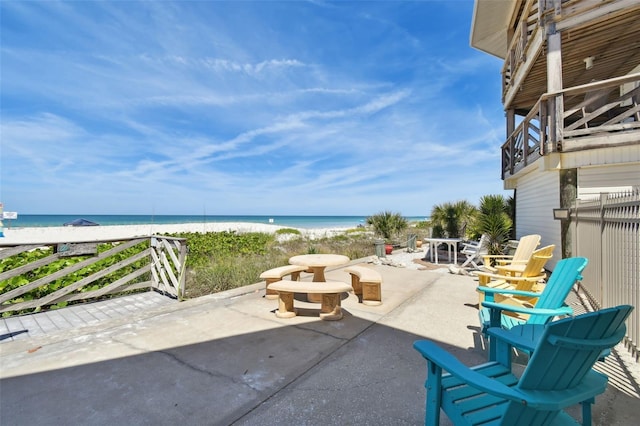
{"x":595,"y":115}
{"x":517,"y":52}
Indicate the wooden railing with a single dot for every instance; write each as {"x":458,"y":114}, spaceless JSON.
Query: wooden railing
{"x":526,"y":143}
{"x":595,"y":115}
{"x":37,"y":276}
{"x":517,"y":52}
{"x":608,"y":234}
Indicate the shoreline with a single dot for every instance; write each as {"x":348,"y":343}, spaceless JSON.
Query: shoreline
{"x":78,"y":234}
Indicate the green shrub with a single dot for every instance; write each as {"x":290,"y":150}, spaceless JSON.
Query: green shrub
{"x":285,"y":231}
{"x":387,"y":225}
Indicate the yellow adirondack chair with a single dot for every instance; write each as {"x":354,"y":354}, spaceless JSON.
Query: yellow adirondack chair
{"x":521,"y":279}
{"x":524,"y":250}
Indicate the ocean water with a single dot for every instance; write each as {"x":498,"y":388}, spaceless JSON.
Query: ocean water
{"x":36,"y":220}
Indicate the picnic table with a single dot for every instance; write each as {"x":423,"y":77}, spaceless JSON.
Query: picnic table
{"x":318,"y":263}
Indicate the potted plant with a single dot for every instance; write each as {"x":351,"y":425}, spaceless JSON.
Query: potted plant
{"x":388,"y":248}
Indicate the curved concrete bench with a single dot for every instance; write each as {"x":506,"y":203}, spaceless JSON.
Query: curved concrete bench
{"x":276,"y":274}
{"x":329,"y":310}
{"x":366,"y":283}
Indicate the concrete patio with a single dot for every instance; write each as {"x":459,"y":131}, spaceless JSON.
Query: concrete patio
{"x":227,"y":359}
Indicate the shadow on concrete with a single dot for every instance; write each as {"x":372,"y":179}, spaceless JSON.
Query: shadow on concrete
{"x":231,"y":361}
{"x":293,"y":374}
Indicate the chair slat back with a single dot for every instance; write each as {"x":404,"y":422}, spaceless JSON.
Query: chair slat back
{"x":539,"y":258}
{"x":569,"y":347}
{"x":534,"y":266}
{"x":566,"y":352}
{"x":564,"y":276}
{"x":483,"y":244}
{"x":526,"y":246}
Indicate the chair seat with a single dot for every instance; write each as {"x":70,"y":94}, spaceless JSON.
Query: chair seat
{"x":480,"y":408}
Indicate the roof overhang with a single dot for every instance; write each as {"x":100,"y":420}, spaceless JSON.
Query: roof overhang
{"x":489,"y":26}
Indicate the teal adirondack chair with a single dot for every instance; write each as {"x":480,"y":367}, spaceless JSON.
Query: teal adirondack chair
{"x":558,"y":375}
{"x":550,"y":302}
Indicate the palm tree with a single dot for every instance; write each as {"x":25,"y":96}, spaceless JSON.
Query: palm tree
{"x":494,"y":221}
{"x":452,"y":218}
{"x":511,"y":205}
{"x":387,"y":224}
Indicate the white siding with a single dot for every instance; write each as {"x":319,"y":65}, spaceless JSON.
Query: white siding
{"x":594,"y":180}
{"x":538,"y":193}
{"x":619,"y":155}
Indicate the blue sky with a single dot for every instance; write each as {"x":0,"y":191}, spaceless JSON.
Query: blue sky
{"x":245,"y":107}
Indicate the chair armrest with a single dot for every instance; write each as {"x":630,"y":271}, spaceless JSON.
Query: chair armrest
{"x":470,"y":249}
{"x":491,"y":291}
{"x":563,"y":310}
{"x":506,"y":262}
{"x":498,"y":256}
{"x":434,"y":353}
{"x":509,"y":277}
{"x":524,"y":337}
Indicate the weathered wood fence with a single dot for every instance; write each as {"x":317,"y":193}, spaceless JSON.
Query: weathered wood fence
{"x":36,"y":276}
{"x":608,"y":234}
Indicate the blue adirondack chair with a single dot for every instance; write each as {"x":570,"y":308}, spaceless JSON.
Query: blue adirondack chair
{"x":558,"y":375}
{"x":550,"y":302}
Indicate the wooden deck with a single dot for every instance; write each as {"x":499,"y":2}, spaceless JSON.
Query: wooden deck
{"x":84,"y":314}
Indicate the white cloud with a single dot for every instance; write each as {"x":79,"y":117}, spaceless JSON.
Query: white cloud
{"x":287,"y":110}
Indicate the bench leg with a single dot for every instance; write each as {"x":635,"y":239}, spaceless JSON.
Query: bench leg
{"x":330,"y":309}
{"x":355,"y":283}
{"x":371,"y":294}
{"x":285,"y":305}
{"x":271,"y":294}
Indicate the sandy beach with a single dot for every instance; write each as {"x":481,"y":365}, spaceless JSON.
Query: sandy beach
{"x":74,"y":234}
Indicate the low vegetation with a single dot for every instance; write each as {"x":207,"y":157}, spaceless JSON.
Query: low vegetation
{"x":224,"y":260}
{"x":388,"y":225}
{"x":494,"y":217}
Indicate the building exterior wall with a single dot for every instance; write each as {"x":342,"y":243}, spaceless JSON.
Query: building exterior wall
{"x":621,"y":155}
{"x":538,"y":193}
{"x":619,"y":178}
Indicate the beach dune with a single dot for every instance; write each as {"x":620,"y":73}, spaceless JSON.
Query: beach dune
{"x":76,"y":234}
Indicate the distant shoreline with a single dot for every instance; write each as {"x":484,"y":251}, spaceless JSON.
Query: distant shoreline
{"x":291,"y":221}
{"x":75,"y":234}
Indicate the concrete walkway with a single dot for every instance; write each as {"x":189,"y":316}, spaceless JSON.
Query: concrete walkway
{"x":227,"y":359}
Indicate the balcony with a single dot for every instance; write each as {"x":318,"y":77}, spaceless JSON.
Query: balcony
{"x":606,"y":31}
{"x":589,"y":116}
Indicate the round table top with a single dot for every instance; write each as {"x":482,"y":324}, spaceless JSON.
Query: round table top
{"x":317,"y":260}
